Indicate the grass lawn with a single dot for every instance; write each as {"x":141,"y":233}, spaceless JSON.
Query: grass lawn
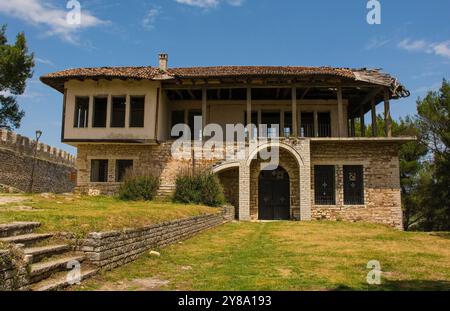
{"x":82,"y":214}
{"x":289,"y":256}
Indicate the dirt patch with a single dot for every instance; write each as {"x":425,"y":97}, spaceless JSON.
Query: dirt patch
{"x":148,"y":284}
{"x":19,"y":208}
{"x":11,"y":199}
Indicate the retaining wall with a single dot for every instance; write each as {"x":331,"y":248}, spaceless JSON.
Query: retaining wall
{"x":112,"y":249}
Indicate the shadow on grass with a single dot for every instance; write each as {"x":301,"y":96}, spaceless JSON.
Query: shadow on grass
{"x":406,"y":285}
{"x":445,"y":235}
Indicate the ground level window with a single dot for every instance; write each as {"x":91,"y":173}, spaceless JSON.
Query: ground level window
{"x":122,"y":167}
{"x":81,"y":112}
{"x":137,"y":111}
{"x":99,"y":170}
{"x":324,"y":185}
{"x":353,"y":185}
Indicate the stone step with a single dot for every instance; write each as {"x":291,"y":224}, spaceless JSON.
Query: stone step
{"x":59,"y":281}
{"x":39,"y":253}
{"x":43,"y":270}
{"x":27,"y":239}
{"x":17,"y":228}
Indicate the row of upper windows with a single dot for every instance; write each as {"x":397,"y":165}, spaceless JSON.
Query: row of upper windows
{"x":307,"y":126}
{"x":117,"y":113}
{"x":325,"y":184}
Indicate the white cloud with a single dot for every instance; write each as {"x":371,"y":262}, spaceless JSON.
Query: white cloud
{"x":376,"y":43}
{"x":150,"y":18}
{"x":44,"y":61}
{"x":436,"y":48}
{"x":210,"y":3}
{"x":44,"y":14}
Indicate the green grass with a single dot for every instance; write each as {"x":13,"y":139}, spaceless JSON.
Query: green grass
{"x":83,"y":214}
{"x":292,"y":256}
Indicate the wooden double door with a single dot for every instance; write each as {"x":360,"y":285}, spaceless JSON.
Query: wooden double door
{"x":274,"y":195}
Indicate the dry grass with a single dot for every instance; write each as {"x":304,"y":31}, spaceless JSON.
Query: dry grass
{"x":294,"y":256}
{"x":82,"y":214}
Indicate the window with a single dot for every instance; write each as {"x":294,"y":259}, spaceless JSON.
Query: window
{"x":307,"y":123}
{"x":324,"y":124}
{"x":122,"y":166}
{"x":287,"y":124}
{"x":324,"y":185}
{"x":81,"y":112}
{"x":353,"y":185}
{"x":137,"y":110}
{"x":177,"y":118}
{"x":100,"y":107}
{"x":99,"y":170}
{"x":191,"y":118}
{"x":118,"y":105}
{"x":271,"y":119}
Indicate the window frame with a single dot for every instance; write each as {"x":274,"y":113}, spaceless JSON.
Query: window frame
{"x":360,"y":200}
{"x":321,"y":201}
{"x":94,"y":104}
{"x":112,"y":115}
{"x":130,"y":119}
{"x":76,"y":119}
{"x":106,"y":170}
{"x":117,"y":175}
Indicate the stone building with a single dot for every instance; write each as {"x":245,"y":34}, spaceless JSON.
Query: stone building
{"x":123,"y":117}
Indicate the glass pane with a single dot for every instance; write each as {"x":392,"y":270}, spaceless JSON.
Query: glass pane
{"x":324,"y":185}
{"x":137,"y":111}
{"x":100,"y":106}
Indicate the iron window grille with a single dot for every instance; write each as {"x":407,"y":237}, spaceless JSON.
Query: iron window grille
{"x":353,"y":185}
{"x":324,"y":185}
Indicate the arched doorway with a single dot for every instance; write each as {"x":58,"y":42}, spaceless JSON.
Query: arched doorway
{"x":274,"y":195}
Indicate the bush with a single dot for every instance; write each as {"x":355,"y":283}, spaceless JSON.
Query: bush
{"x":138,"y":187}
{"x":199,"y":188}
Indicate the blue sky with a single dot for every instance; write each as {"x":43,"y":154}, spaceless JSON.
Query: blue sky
{"x":412,"y":42}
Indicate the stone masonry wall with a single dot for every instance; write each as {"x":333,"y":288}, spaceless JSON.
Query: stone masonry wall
{"x":53,"y":167}
{"x":115,"y":248}
{"x":13,"y":272}
{"x":381,"y":181}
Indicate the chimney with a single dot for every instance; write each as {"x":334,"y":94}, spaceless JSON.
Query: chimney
{"x":163,"y":61}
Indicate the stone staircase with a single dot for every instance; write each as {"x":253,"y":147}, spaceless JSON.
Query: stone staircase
{"x":49,"y":264}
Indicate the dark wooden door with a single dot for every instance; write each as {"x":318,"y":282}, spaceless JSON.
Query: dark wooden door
{"x":274,"y":195}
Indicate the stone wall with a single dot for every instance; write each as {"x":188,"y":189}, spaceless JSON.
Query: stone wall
{"x":53,"y":167}
{"x":13,"y":271}
{"x":382,"y":196}
{"x":115,"y":248}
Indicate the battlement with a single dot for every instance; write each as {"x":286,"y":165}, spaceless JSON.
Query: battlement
{"x":26,"y":146}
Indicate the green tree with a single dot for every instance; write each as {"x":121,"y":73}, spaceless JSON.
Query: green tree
{"x":434,"y":124}
{"x":16,"y":66}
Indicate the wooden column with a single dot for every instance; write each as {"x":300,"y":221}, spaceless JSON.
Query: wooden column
{"x":352,"y":127}
{"x":249,"y":112}
{"x":362,"y":121}
{"x":387,"y":114}
{"x":294,"y":112}
{"x":316,"y":124}
{"x":374,"y":118}
{"x":340,"y":113}
{"x":204,"y":107}
{"x":108,"y":111}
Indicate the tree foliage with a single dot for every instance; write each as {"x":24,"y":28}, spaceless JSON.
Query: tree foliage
{"x":16,"y":66}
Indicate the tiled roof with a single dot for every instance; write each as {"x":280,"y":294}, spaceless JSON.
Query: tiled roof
{"x":372,"y":76}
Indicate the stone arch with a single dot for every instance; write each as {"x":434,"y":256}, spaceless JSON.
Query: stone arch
{"x":291,"y":162}
{"x":284,"y":146}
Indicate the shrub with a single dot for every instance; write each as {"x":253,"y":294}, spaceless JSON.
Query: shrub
{"x":202,"y":187}
{"x":138,"y":187}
